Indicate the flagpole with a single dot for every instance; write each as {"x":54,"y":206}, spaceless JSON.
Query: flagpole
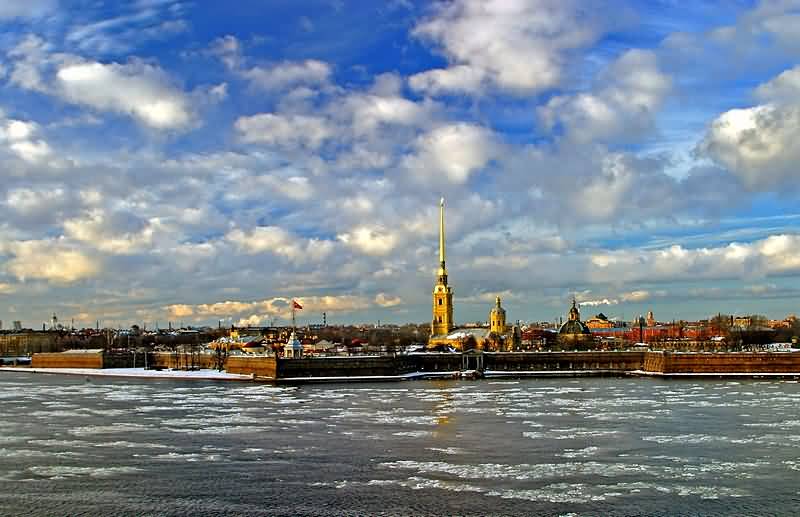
{"x":294,"y":327}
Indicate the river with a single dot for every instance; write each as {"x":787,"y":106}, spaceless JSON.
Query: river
{"x":589,"y":446}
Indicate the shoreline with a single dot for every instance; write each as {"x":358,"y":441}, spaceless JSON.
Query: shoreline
{"x":214,"y":375}
{"x":135,"y":373}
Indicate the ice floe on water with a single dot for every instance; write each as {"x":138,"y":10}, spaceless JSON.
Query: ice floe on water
{"x":573,"y":493}
{"x":569,"y":434}
{"x":413,"y":434}
{"x":450,"y":451}
{"x":122,"y":427}
{"x":63,"y":472}
{"x":579,"y":453}
{"x":187,"y":457}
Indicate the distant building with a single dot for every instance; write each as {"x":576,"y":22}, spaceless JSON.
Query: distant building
{"x":574,"y":334}
{"x":442,"y":322}
{"x":600,"y":321}
{"x":497,"y":318}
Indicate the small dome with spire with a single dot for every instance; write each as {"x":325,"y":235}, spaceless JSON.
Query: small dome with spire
{"x":574,"y":325}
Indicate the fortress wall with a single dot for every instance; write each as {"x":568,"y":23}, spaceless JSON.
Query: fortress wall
{"x":535,"y":361}
{"x":28,"y":342}
{"x":732,"y":362}
{"x":260,"y":366}
{"x":344,"y":366}
{"x":178,"y":361}
{"x":68,"y":360}
{"x":436,"y":362}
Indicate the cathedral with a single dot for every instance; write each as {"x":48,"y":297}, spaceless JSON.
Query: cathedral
{"x":498,"y":335}
{"x":442,"y":322}
{"x":574,"y":334}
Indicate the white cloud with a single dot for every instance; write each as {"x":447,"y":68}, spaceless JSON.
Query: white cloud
{"x":50,"y":260}
{"x":280,"y":242}
{"x":29,"y":201}
{"x":118,"y":234}
{"x":756,"y":144}
{"x":385,"y":300}
{"x":11,"y":9}
{"x":636,"y":296}
{"x":370,"y":240}
{"x":456,"y":78}
{"x":20,"y":138}
{"x":285,"y":130}
{"x":785,"y":88}
{"x":515,"y":45}
{"x":136,"y":89}
{"x":261,"y":310}
{"x":273,"y":77}
{"x":369,"y":112}
{"x":144,"y":21}
{"x":771,"y":256}
{"x":624,"y":106}
{"x":452,"y":152}
{"x":288,"y":74}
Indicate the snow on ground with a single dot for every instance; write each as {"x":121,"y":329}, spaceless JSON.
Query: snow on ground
{"x":136,"y":372}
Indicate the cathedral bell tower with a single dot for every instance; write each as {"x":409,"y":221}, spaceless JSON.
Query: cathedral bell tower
{"x":442,"y":322}
{"x":497,"y":319}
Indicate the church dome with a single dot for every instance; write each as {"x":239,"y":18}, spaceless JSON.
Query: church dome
{"x":574,"y":327}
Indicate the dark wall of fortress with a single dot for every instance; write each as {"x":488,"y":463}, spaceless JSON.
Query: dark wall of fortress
{"x":622,"y":361}
{"x":734,"y":362}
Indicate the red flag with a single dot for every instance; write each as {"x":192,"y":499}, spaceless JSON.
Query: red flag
{"x":296,"y":305}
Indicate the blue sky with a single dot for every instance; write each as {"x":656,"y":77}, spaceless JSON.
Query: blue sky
{"x":204,"y":161}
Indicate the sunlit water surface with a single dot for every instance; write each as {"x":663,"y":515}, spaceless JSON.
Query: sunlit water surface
{"x":606,"y":446}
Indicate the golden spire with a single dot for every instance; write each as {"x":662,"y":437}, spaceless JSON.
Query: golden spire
{"x":441,"y":237}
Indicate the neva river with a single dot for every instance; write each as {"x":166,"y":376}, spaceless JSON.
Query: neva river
{"x":606,"y":446}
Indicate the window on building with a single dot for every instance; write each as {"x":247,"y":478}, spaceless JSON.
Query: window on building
{"x":440,"y":318}
{"x":440,"y":301}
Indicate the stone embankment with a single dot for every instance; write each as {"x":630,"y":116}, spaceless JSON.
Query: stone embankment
{"x":494,"y":364}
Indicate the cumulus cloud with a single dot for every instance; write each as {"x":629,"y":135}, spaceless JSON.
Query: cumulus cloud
{"x":272,"y":77}
{"x":452,"y":153}
{"x":285,"y":130}
{"x":370,"y":111}
{"x":259,"y":310}
{"x":757,"y":144}
{"x":785,"y":88}
{"x":20,"y":138}
{"x":51,"y":260}
{"x":30,"y":201}
{"x":623,"y":105}
{"x":11,"y":9}
{"x":766,"y":257}
{"x":278,"y":241}
{"x":136,"y":89}
{"x":385,"y":300}
{"x":370,"y":240}
{"x":286,"y":74}
{"x":117,"y":233}
{"x":518,"y":46}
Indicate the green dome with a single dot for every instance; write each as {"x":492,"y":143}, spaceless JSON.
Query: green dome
{"x":574,"y":327}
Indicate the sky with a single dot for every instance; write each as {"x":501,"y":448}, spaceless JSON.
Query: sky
{"x":202,"y":161}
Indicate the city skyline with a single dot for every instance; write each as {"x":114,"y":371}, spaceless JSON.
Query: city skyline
{"x":197,"y":162}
